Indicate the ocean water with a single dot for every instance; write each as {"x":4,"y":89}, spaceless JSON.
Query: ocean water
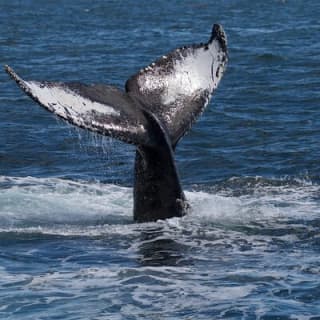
{"x":249,"y":249}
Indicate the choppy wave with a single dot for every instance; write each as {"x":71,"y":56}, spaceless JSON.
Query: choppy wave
{"x":249,"y":246}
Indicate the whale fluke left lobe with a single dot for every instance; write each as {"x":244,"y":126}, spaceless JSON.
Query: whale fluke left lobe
{"x":97,"y":107}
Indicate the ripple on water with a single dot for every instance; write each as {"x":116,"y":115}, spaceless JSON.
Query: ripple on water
{"x":244,"y":242}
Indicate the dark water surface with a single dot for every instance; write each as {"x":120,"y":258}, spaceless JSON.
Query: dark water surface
{"x":250,"y":167}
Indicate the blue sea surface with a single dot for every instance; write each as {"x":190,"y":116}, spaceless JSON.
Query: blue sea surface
{"x":249,"y":248}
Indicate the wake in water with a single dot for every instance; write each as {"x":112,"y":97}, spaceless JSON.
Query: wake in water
{"x":58,"y":206}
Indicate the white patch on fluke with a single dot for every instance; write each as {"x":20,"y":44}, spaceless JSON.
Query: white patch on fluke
{"x":65,"y":102}
{"x":194,"y":73}
{"x":201,"y":70}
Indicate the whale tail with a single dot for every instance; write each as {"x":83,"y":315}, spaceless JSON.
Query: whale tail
{"x":159,"y":106}
{"x":109,"y":111}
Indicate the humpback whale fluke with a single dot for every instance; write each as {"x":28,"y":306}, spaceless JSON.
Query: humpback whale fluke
{"x":158,"y":106}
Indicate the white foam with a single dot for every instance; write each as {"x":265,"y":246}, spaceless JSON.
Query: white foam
{"x":266,"y":203}
{"x":32,"y":203}
{"x":58,"y":206}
